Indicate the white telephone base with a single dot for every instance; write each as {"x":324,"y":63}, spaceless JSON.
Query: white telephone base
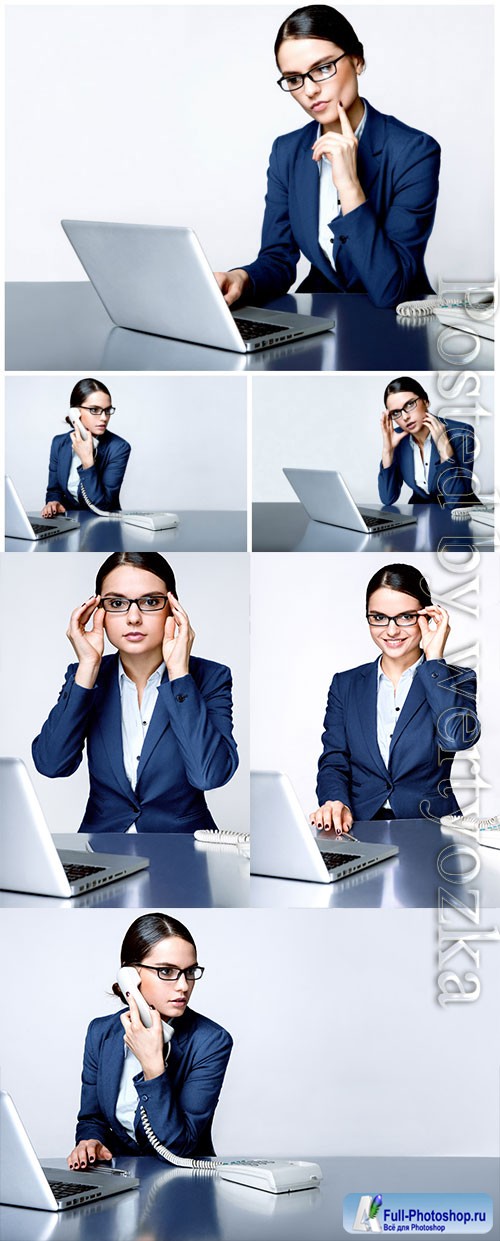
{"x":151,"y":521}
{"x":275,"y":1176}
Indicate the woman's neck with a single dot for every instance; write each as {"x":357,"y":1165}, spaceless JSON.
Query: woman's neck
{"x":421,"y":436}
{"x":396,"y":667}
{"x":139,"y":668}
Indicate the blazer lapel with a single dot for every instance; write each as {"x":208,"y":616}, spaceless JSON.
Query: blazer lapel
{"x":414,"y":701}
{"x":113,"y":1072}
{"x":65,"y":456}
{"x":157,"y":727}
{"x":371,"y":145}
{"x":307,"y":197}
{"x":367,"y":710}
{"x":109,"y":721}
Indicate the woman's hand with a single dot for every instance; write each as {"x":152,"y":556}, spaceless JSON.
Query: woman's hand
{"x":177,"y":640}
{"x":439,"y":436}
{"x":145,"y":1042}
{"x":434,"y":640}
{"x":88,"y":644}
{"x":89,"y":1150}
{"x":332,"y":814}
{"x":390,"y":438}
{"x":53,"y":509}
{"x":232,"y":284}
{"x":342,"y":152}
{"x":84,"y":448}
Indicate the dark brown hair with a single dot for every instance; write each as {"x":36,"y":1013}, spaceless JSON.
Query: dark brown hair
{"x":405,"y":384}
{"x":403,"y":577}
{"x":153,"y":562}
{"x":84,"y":388}
{"x":320,"y":21}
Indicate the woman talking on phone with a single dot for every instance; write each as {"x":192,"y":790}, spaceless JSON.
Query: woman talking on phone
{"x":392,"y":727}
{"x":434,"y":456}
{"x":90,"y":458}
{"x":127,"y":1066}
{"x":354,"y":191}
{"x":156,"y":720}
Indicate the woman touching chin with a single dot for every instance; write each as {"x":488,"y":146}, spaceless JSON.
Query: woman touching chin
{"x":354,"y":191}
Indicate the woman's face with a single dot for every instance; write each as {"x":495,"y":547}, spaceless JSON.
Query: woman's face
{"x":93,"y":413}
{"x":411,"y":410}
{"x":170,"y":998}
{"x":134,"y":631}
{"x":320,"y":99}
{"x":394,"y":640}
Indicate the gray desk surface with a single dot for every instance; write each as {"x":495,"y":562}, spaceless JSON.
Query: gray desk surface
{"x":198,"y":531}
{"x":409,"y":881}
{"x":182,"y":873}
{"x":176,"y":1205}
{"x":64,"y":326}
{"x":287,"y":528}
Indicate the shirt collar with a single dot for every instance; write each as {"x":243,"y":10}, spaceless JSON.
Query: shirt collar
{"x":411,"y":671}
{"x":154,"y":679}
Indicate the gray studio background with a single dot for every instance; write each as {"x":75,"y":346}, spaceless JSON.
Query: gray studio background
{"x":166,"y":115}
{"x":188,"y":437}
{"x":330,"y":1057}
{"x":39,"y":594}
{"x":308,"y":622}
{"x":333,"y":422}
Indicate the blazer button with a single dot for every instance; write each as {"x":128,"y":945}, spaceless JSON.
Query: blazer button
{"x":144,"y":1098}
{"x":181,"y":697}
{"x":434,"y":676}
{"x":343,"y":240}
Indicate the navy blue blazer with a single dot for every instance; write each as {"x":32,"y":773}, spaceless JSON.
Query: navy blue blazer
{"x":188,"y":747}
{"x":102,"y":481}
{"x":450,"y":482}
{"x":379,"y":247}
{"x":180,"y":1104}
{"x":437,"y":719}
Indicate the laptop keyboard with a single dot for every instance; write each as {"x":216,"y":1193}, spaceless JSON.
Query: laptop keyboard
{"x":63,"y":1189}
{"x":251,"y":331}
{"x":43,"y":532}
{"x":377,"y":521}
{"x":73,"y":871}
{"x":332,"y":860}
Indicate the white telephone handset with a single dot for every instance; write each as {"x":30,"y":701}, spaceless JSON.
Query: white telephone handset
{"x":77,"y":423}
{"x":129,"y":981}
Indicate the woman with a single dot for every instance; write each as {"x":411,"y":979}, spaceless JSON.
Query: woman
{"x":126,"y":1065}
{"x":392,"y":727}
{"x":433,"y":456}
{"x":355,"y":190}
{"x":94,"y":463}
{"x":156,"y":720}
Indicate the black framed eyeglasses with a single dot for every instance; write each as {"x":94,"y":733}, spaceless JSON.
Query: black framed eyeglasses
{"x":146,"y":603}
{"x":377,"y":620}
{"x":396,"y":414}
{"x":320,"y":73}
{"x":95,"y":411}
{"x":172,"y":973}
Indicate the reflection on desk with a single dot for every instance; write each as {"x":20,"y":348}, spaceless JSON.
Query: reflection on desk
{"x":287,"y":528}
{"x":198,"y":531}
{"x":182,"y":872}
{"x":409,"y":881}
{"x":175,"y":1205}
{"x":64,"y":326}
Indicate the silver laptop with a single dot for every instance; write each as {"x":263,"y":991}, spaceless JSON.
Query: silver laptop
{"x":25,"y":1183}
{"x":22,"y":525}
{"x":30,"y":860}
{"x":283,"y":843}
{"x":327,"y":498}
{"x":158,"y":280}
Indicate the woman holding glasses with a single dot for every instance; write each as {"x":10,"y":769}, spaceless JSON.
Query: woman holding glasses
{"x":89,"y":458}
{"x":156,"y":720}
{"x":392,"y":727}
{"x":354,"y":191}
{"x":127,"y":1065}
{"x":434,"y":456}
